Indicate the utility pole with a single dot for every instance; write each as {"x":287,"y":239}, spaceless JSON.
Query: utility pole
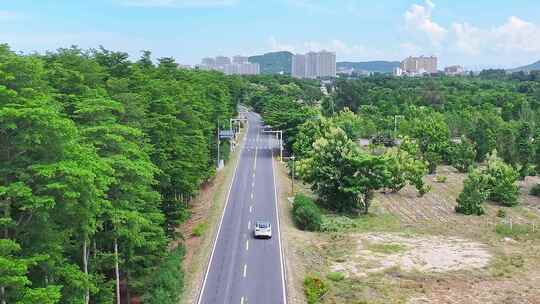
{"x":292,"y":180}
{"x":218,"y":143}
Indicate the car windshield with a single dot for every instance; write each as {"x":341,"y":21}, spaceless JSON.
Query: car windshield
{"x":263,"y":225}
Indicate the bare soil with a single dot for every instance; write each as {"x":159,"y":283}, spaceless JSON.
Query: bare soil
{"x":432,"y":254}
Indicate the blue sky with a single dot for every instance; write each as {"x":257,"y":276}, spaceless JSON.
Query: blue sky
{"x":476,"y":34}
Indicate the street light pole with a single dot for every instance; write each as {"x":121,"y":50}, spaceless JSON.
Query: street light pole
{"x":292,"y":180}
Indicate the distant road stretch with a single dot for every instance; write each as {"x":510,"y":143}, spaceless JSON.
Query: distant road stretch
{"x":244,"y":270}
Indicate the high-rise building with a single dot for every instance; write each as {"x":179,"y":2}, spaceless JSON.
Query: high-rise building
{"x":298,"y":68}
{"x":240,"y":59}
{"x":222,"y":61}
{"x":326,"y":64}
{"x":314,"y":65}
{"x":419,"y":65}
{"x":240,"y":65}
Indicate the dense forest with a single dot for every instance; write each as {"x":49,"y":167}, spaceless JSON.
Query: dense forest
{"x":485,"y":125}
{"x":99,"y":158}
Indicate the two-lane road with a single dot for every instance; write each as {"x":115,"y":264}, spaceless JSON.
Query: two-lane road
{"x":244,"y":270}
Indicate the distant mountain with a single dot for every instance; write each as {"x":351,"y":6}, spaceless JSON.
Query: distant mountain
{"x":369,"y":66}
{"x":274,"y":63}
{"x":527,"y":68}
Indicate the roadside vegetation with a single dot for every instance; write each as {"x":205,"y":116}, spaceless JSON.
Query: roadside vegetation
{"x":100,"y":158}
{"x":437,"y":206}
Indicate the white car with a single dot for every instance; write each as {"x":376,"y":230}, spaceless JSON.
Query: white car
{"x":263,"y":229}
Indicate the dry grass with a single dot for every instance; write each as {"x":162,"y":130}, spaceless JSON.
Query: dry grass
{"x":507,"y":270}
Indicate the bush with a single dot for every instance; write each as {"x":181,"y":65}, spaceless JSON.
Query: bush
{"x":535,"y":190}
{"x":474,"y":193}
{"x":306,"y":213}
{"x":335,"y":276}
{"x":501,"y":213}
{"x":199,"y":229}
{"x":502,"y":181}
{"x":314,"y":288}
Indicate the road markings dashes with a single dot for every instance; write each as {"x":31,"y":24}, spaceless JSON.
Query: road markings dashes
{"x":249,"y":225}
{"x":252,"y":184}
{"x":242,"y":300}
{"x":247,"y":245}
{"x":251,"y":195}
{"x":245,"y":270}
{"x":250,"y":209}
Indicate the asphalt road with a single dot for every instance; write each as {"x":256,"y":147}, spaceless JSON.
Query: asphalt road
{"x":244,"y":270}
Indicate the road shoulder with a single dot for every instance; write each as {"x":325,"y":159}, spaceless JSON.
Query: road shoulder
{"x":294,"y":274}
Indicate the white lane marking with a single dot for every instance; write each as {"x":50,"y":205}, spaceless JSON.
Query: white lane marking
{"x":201,"y":292}
{"x":279,"y":237}
{"x":253,"y":174}
{"x":249,"y":225}
{"x":251,"y":195}
{"x":247,"y":245}
{"x":242,"y":300}
{"x":245,"y":270}
{"x":250,"y":209}
{"x":252,"y":184}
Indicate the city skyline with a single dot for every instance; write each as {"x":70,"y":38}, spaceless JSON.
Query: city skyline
{"x":503,"y":35}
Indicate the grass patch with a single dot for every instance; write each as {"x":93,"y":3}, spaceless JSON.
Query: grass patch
{"x":199,"y":229}
{"x":335,"y":276}
{"x":363,"y":223}
{"x":385,"y":248}
{"x":314,"y":288}
{"x":505,"y":266}
{"x":517,"y":231}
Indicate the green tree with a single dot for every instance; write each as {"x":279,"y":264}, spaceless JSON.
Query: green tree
{"x":343,"y":176}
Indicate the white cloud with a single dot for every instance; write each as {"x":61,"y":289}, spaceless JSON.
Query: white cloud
{"x":418,"y":18}
{"x":179,"y":3}
{"x":514,"y":36}
{"x":517,"y":34}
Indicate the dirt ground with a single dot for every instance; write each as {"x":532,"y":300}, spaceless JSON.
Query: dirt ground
{"x":416,"y":250}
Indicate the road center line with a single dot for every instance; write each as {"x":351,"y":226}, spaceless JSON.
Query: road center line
{"x":245,"y":270}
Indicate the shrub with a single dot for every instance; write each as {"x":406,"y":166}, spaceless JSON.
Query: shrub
{"x":314,"y":288}
{"x":535,"y":190}
{"x":474,"y":194}
{"x":335,"y":276}
{"x":502,"y":181}
{"x":199,"y":229}
{"x":306,"y":213}
{"x":501,"y":213}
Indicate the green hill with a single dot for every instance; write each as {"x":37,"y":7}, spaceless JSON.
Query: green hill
{"x":527,"y":68}
{"x":274,"y":63}
{"x":369,"y":66}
